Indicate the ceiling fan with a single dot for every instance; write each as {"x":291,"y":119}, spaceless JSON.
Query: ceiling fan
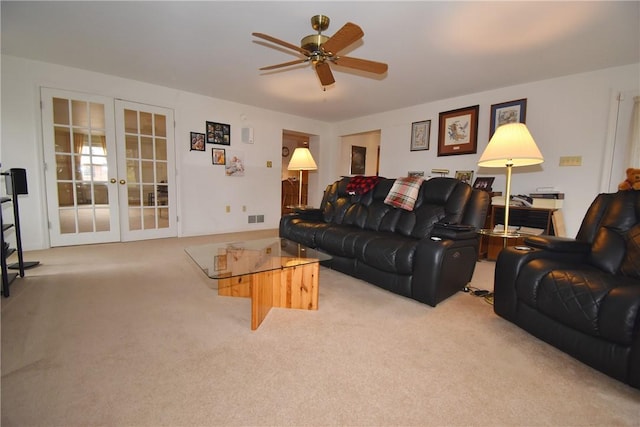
{"x":321,"y":50}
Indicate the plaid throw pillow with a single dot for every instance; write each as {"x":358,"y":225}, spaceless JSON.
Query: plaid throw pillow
{"x":404,"y":192}
{"x":361,"y":184}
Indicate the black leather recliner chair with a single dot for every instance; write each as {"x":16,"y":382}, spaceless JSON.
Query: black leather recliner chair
{"x":581,"y":295}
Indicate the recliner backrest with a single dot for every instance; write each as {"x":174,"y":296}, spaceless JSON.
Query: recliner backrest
{"x":611,"y":227}
{"x":439,"y":199}
{"x":336,"y":201}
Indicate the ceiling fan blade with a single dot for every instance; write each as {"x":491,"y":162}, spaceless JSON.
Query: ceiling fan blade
{"x":346,"y":35}
{"x":284,"y":64}
{"x":281,"y":43}
{"x":361,"y":64}
{"x":324,"y":74}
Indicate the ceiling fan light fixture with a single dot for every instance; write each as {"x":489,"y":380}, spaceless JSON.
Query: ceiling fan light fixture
{"x":313,"y":42}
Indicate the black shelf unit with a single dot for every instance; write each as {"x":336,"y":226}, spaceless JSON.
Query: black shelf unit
{"x":7,"y":277}
{"x":16,"y":184}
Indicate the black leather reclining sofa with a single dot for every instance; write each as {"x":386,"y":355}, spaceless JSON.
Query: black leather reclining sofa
{"x":581,"y":295}
{"x":428,"y":253}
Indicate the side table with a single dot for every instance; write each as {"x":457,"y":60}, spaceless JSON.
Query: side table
{"x":505,"y":236}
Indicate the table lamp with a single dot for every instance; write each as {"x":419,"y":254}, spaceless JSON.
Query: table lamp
{"x":511,"y":146}
{"x":302,"y":160}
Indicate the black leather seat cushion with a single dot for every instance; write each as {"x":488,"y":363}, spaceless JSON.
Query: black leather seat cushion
{"x":303,"y":231}
{"x":342,"y":240}
{"x":585,"y":298}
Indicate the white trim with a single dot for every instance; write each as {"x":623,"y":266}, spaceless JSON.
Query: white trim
{"x":610,"y":142}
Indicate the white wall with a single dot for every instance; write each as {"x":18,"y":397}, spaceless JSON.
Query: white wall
{"x":203,"y":189}
{"x":567,"y":116}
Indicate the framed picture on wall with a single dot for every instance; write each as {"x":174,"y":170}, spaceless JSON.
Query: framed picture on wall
{"x":465,"y":176}
{"x":197,"y":141}
{"x":358,"y":160}
{"x":218,"y":133}
{"x":218,"y":156}
{"x":507,"y":112}
{"x":234,"y":163}
{"x":458,"y":131}
{"x":420,"y":134}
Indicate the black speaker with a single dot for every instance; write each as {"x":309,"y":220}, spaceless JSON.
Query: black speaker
{"x":16,"y":181}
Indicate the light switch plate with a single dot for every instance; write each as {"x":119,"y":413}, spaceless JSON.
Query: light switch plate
{"x":571,"y":161}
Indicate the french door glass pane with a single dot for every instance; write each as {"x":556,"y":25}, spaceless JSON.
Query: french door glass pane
{"x":61,"y":111}
{"x":62,"y":139}
{"x":161,"y":149}
{"x":79,"y":116}
{"x":102,"y":219}
{"x":130,"y":121}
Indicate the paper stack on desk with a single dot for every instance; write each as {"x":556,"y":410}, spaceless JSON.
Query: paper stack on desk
{"x":547,"y":199}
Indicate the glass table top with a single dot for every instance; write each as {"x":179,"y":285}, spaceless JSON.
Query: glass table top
{"x":510,"y":234}
{"x":231,"y":259}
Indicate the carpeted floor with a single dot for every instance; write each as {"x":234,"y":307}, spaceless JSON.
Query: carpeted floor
{"x":132,"y":334}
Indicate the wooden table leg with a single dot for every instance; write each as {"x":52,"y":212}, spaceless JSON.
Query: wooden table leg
{"x":290,"y":287}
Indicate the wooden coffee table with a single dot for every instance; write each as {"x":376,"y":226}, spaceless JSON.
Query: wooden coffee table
{"x":272,"y":272}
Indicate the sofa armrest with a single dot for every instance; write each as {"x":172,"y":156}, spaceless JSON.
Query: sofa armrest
{"x":453,"y":231}
{"x":312,"y":214}
{"x":443,"y":267}
{"x":558,"y":244}
{"x":511,"y":261}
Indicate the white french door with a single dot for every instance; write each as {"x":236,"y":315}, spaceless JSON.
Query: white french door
{"x":145,"y":165}
{"x":108,"y":169}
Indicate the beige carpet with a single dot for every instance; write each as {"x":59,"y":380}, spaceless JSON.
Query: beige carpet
{"x":132,"y":334}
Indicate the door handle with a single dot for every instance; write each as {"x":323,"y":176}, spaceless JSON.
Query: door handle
{"x":113,"y":180}
{"x":122,"y":181}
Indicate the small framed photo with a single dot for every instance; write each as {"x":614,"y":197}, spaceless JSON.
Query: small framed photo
{"x":218,"y":133}
{"x":420,"y":135}
{"x":507,"y":112}
{"x":218,"y":156}
{"x":483,"y":183}
{"x":458,"y":131}
{"x":465,"y":176}
{"x":197,"y":141}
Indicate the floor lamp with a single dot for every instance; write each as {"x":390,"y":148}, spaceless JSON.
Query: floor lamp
{"x":511,"y":146}
{"x":302,"y":160}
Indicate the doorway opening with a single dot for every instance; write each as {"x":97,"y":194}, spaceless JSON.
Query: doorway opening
{"x":291,"y":178}
{"x":360,"y":154}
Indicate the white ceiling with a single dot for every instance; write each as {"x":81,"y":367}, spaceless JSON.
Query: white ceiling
{"x":435,"y":50}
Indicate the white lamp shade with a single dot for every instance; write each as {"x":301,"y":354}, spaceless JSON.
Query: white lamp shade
{"x":302,"y":160}
{"x":511,"y":144}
